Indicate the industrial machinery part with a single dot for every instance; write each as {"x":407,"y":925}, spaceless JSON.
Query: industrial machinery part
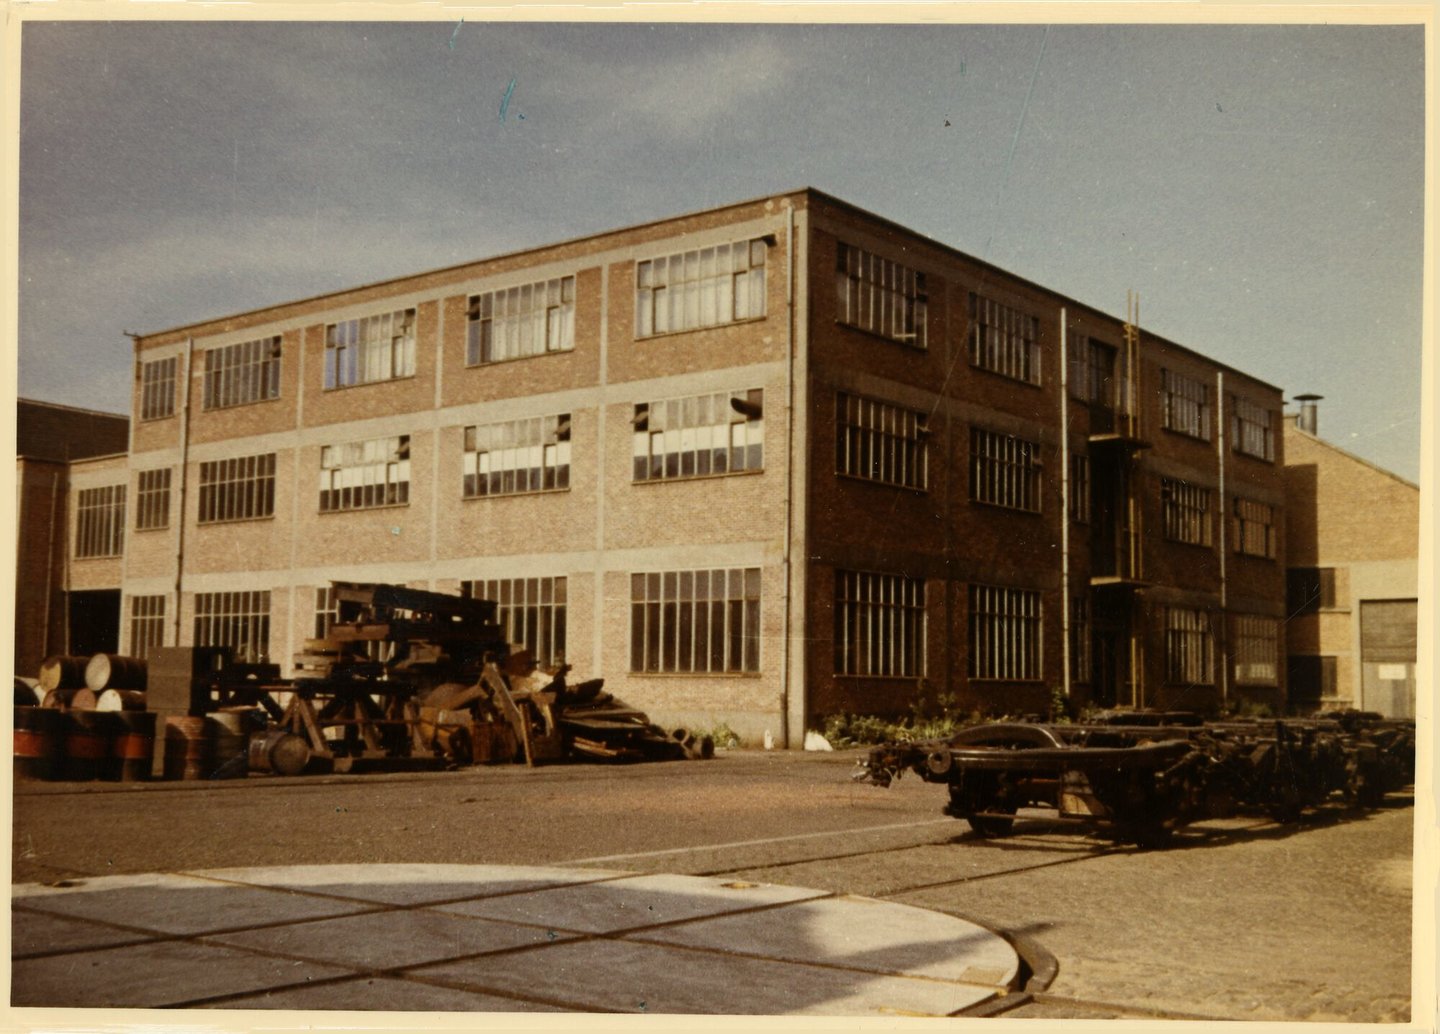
{"x":1142,"y":779}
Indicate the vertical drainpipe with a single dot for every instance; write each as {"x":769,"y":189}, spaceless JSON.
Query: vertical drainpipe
{"x":1064,"y":512}
{"x":1222,"y":637}
{"x":789,"y":467}
{"x":184,"y":484}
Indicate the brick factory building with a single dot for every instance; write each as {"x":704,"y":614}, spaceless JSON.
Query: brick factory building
{"x":60,"y":451}
{"x":1354,"y":532}
{"x":755,"y":465}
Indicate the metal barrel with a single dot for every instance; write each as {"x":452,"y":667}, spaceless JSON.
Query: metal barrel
{"x":280,"y":752}
{"x":120,"y":700}
{"x":187,"y":748}
{"x":230,"y":731}
{"x":87,"y":744}
{"x":62,"y":672}
{"x":80,"y":699}
{"x":39,"y":743}
{"x":25,"y":694}
{"x":114,"y":671}
{"x":132,"y":748}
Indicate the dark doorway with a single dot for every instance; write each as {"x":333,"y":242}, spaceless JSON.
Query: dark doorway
{"x":94,"y":622}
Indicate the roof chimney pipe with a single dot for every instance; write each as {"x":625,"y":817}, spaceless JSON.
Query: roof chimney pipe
{"x":1307,"y":420}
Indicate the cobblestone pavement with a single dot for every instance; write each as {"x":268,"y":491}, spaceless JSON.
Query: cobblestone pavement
{"x":1240,"y":919}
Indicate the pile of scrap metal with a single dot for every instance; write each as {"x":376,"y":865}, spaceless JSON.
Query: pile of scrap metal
{"x":1139,"y":782}
{"x":406,"y":673}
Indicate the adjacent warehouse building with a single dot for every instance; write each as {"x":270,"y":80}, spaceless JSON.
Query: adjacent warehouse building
{"x":1354,"y":532}
{"x":757,"y":464}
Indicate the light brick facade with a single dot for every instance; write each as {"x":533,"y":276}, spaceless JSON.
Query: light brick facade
{"x":843,"y":589}
{"x":1357,"y":528}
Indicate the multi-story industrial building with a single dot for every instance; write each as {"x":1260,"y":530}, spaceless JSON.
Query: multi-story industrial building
{"x":1354,"y":532}
{"x":67,"y":459}
{"x":756,"y":465}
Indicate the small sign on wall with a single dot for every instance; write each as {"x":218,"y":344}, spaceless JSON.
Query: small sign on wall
{"x":1394,"y":672}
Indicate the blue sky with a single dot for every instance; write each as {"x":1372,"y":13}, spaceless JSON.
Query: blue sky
{"x":1260,"y":187}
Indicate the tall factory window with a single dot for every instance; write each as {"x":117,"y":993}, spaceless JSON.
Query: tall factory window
{"x":1308,"y":589}
{"x":373,"y":348}
{"x":157,"y":388}
{"x":152,"y":500}
{"x":1251,"y":432}
{"x":531,"y":611}
{"x":1080,"y":663}
{"x":1309,"y":679}
{"x":147,"y":624}
{"x":879,"y":625}
{"x":1093,"y":374}
{"x":1254,"y":528}
{"x":237,"y":489}
{"x":1004,"y":340}
{"x":362,"y":475}
{"x":1080,"y":488}
{"x":100,"y":521}
{"x":702,"y":288}
{"x":1189,"y":647}
{"x":699,"y":435}
{"x":1004,"y":639}
{"x":1004,"y":470}
{"x":1257,"y":650}
{"x":1185,"y":509}
{"x":1184,"y":404}
{"x":238,"y":374}
{"x":881,"y":442}
{"x":695,"y":621}
{"x":239,"y":620}
{"x":881,"y":296}
{"x":531,"y":455}
{"x":529,"y":320}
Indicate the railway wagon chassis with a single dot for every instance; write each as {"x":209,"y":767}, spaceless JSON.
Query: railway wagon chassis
{"x":1140,"y":782}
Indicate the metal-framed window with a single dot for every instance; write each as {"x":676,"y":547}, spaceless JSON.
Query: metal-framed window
{"x":239,"y":620}
{"x":152,"y":499}
{"x":530,"y":455}
{"x":1184,"y":404}
{"x":1004,"y":633}
{"x":1004,"y":471}
{"x":237,"y":489}
{"x":370,"y":349}
{"x":1004,"y":340}
{"x":1081,"y":668}
{"x":1185,"y":512}
{"x":1257,"y":650}
{"x":699,"y":435}
{"x":1254,"y":528}
{"x":239,"y":374}
{"x":1080,"y":506}
{"x":1251,"y":429}
{"x":881,"y":296}
{"x":100,"y":521}
{"x":147,"y":624}
{"x":707,"y":287}
{"x":531,"y":319}
{"x":531,"y":611}
{"x":695,"y":621}
{"x":1310,"y":679}
{"x":879,"y":625}
{"x":363,"y":475}
{"x":1189,"y":647}
{"x":1308,"y":589}
{"x":157,"y":388}
{"x":1093,"y":374}
{"x":881,"y":442}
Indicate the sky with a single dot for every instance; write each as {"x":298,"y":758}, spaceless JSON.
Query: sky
{"x":1260,"y":187}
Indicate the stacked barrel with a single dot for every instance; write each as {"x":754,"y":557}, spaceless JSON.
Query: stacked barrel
{"x":86,"y":718}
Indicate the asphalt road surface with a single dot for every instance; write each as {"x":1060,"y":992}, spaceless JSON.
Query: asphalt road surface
{"x":1237,"y":919}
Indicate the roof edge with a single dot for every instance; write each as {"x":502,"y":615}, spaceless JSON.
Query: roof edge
{"x":1291,"y":426}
